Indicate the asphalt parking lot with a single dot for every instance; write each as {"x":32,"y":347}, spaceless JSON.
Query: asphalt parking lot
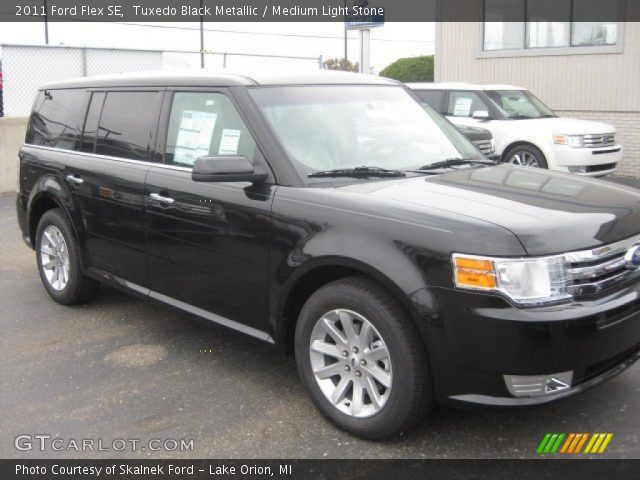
{"x":123,"y":368}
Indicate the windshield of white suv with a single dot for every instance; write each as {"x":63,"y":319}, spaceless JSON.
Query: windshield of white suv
{"x":325,"y":128}
{"x":520,"y":104}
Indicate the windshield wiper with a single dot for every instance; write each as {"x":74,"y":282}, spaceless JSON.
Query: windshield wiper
{"x":358,"y":172}
{"x":453,"y":162}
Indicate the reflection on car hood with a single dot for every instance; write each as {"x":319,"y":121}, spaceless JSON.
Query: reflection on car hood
{"x":549,"y":212}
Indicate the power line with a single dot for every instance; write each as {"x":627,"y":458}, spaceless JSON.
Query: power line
{"x":275,"y":34}
{"x":238,"y":32}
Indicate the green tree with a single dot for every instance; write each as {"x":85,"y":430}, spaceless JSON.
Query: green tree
{"x":413,"y":69}
{"x":340,"y":64}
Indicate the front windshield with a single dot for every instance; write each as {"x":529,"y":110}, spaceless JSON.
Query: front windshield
{"x":343,"y":126}
{"x":520,"y":104}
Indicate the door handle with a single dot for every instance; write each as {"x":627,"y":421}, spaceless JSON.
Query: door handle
{"x":74,"y":180}
{"x":156,"y":197}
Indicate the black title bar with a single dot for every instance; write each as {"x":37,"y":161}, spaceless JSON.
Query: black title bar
{"x":319,"y":10}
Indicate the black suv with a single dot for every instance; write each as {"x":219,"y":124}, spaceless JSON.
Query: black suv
{"x":334,"y":215}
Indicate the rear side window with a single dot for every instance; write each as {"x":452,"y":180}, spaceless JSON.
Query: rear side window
{"x":433,"y":98}
{"x":57,"y":117}
{"x":127,"y":125}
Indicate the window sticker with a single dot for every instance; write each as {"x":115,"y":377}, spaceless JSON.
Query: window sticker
{"x":462,"y":108}
{"x":229,"y":142}
{"x":194,"y":136}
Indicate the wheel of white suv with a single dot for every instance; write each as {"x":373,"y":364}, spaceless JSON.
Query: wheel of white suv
{"x":59,"y":264}
{"x":526,"y":156}
{"x":361,"y":359}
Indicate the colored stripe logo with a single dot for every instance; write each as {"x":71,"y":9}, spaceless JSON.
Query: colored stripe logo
{"x":573,"y":443}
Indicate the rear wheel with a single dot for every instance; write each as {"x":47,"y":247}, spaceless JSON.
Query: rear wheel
{"x":526,"y":156}
{"x":361,"y":360}
{"x":59,"y":264}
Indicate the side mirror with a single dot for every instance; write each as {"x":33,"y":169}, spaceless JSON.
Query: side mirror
{"x":226,"y":169}
{"x":482,"y":115}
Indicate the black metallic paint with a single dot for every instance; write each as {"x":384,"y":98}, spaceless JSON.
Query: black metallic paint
{"x":210,"y":248}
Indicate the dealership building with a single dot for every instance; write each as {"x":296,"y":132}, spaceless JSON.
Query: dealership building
{"x":587,"y":70}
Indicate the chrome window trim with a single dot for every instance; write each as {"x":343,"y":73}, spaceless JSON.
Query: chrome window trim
{"x":107,"y":157}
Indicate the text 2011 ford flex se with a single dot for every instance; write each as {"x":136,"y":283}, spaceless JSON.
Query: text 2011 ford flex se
{"x":332,"y":213}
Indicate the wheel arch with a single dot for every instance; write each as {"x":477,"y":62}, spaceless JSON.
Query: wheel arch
{"x":315,"y":275}
{"x":46,"y":195}
{"x":517,"y":143}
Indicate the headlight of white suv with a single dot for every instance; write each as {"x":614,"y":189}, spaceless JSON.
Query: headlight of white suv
{"x":573,"y":141}
{"x":526,"y":281}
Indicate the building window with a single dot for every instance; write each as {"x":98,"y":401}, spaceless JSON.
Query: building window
{"x":525,"y":25}
{"x":591,"y":34}
{"x":500,"y":33}
{"x":544,"y":34}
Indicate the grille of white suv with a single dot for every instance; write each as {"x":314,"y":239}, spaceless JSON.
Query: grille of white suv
{"x":600,"y":140}
{"x":484,"y":146}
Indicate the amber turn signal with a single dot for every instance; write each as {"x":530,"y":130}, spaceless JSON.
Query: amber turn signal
{"x":474,"y":272}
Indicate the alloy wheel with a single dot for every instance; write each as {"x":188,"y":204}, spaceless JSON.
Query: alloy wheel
{"x":351,"y":363}
{"x":524,"y":158}
{"x":54,"y":256}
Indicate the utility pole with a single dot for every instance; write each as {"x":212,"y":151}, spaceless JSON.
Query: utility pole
{"x":365,"y":51}
{"x":46,"y":24}
{"x":345,"y":32}
{"x":201,"y":36}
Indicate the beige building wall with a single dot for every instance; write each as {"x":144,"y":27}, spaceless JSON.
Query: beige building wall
{"x":12,"y":132}
{"x":602,"y":86}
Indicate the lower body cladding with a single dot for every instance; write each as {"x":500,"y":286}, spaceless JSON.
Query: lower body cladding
{"x":485,"y":351}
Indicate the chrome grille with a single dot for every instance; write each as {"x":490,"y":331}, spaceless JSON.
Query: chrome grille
{"x":600,"y":140}
{"x":483,"y":145}
{"x":593,"y":271}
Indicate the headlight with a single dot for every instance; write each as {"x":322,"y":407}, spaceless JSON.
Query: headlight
{"x":493,"y":145}
{"x":526,"y":281}
{"x":573,"y":141}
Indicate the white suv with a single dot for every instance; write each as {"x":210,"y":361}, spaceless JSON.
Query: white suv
{"x":525,"y":130}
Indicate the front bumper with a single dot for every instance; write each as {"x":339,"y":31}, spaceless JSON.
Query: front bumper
{"x":596,"y":162}
{"x":479,"y":338}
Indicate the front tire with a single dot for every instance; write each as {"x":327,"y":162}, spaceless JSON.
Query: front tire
{"x":361,"y":359}
{"x":59,"y":264}
{"x":526,"y":156}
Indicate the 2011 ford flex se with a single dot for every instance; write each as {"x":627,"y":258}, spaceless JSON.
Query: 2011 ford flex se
{"x":333,"y":214}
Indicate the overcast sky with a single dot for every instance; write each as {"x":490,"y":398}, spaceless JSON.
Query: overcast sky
{"x":389,"y":42}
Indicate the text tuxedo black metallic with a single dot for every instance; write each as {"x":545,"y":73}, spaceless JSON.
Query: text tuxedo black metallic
{"x":453,"y":283}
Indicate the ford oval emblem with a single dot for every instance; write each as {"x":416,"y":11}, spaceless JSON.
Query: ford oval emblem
{"x":632,"y":258}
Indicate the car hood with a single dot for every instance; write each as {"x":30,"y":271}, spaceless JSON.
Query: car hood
{"x":569,"y":126}
{"x":549,"y":212}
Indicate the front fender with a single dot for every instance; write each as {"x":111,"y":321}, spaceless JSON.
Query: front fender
{"x":388,"y":262}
